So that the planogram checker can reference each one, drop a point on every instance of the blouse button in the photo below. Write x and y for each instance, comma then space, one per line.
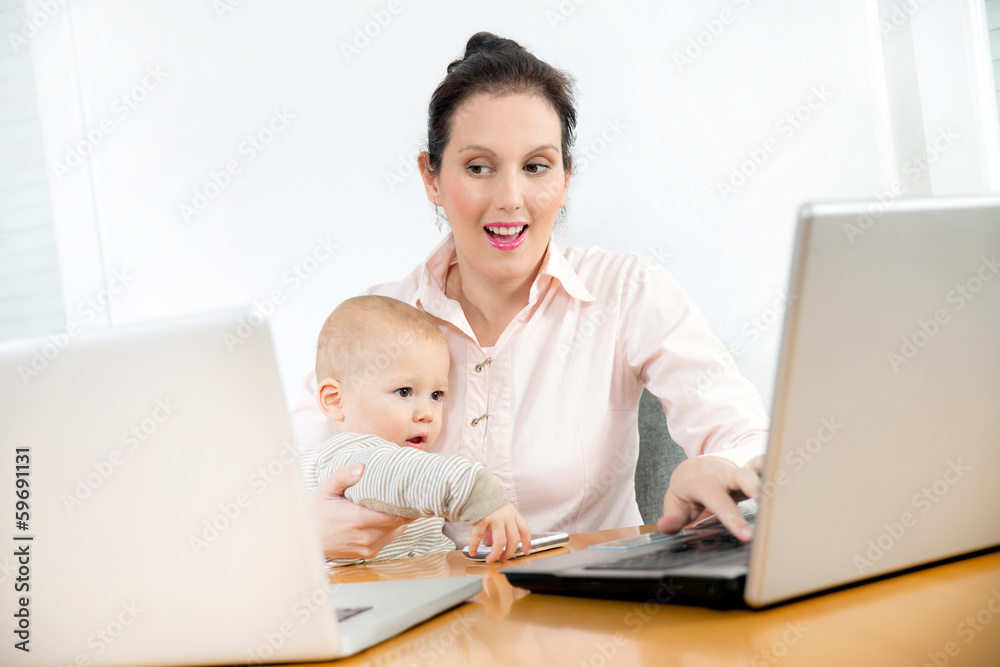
484, 364
475, 422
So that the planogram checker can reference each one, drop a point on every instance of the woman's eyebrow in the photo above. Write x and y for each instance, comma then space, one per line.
477, 147
544, 147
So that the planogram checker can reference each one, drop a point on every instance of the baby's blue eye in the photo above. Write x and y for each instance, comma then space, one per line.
404, 392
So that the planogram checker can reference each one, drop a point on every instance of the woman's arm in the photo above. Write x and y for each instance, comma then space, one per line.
406, 482
713, 413
347, 530
409, 482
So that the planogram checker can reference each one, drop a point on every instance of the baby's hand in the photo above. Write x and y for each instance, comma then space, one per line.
506, 527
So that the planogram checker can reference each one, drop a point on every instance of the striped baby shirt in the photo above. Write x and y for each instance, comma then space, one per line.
407, 482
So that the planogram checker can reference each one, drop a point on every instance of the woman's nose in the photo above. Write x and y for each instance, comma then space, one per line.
508, 195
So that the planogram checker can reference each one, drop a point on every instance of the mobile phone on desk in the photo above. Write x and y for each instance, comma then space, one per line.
539, 542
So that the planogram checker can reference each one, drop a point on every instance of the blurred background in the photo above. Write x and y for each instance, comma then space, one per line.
166, 158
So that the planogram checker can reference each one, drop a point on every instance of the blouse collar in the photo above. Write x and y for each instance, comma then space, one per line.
555, 269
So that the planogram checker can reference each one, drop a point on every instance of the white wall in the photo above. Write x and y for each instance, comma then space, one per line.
663, 121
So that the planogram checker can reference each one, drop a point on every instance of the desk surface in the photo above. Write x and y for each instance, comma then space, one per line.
947, 615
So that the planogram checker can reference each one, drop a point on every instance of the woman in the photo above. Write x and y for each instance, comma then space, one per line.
550, 348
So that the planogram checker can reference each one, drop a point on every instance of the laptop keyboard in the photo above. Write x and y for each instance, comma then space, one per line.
344, 613
675, 554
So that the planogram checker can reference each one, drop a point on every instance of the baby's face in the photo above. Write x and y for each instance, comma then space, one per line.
404, 400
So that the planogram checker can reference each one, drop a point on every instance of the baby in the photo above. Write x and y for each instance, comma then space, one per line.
382, 375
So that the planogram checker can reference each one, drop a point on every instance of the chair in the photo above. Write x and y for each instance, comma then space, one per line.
658, 456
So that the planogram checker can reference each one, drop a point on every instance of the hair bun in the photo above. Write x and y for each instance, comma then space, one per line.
485, 42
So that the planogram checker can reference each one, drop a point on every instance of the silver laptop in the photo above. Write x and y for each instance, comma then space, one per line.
163, 518
884, 449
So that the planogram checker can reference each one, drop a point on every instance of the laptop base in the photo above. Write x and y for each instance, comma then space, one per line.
689, 591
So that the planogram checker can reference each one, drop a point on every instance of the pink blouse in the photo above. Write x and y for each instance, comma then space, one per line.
552, 408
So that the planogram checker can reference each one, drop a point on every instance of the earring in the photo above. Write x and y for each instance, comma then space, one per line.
561, 221
437, 218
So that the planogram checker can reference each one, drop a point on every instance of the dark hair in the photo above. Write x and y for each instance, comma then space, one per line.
498, 66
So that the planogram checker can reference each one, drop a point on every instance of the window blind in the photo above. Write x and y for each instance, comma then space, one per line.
31, 299
993, 23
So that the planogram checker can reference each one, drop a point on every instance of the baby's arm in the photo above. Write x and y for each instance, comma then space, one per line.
412, 483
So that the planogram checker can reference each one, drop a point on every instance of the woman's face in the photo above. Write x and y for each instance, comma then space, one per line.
501, 183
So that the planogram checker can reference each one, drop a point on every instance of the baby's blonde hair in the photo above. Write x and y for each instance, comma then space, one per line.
349, 335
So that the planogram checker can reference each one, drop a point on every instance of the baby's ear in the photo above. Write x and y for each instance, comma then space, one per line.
330, 397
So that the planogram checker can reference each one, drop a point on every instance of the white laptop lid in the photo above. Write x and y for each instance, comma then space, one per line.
884, 449
141, 555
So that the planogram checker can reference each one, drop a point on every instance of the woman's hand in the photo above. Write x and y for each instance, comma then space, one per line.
711, 483
347, 530
503, 528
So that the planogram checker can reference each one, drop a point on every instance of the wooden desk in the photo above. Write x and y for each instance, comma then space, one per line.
914, 619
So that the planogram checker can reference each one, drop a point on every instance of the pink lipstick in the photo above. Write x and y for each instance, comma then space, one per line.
506, 235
